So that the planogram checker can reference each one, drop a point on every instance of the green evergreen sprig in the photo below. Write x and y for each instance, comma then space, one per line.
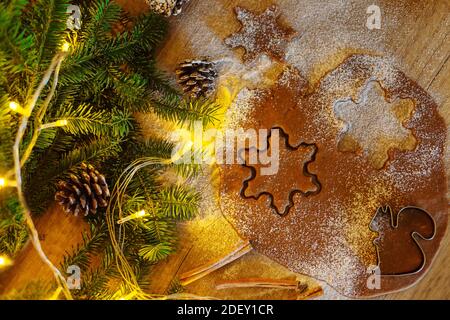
108, 74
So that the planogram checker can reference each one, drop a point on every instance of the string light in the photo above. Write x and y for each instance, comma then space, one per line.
14, 106
65, 47
5, 261
129, 296
52, 69
6, 183
133, 216
56, 294
59, 123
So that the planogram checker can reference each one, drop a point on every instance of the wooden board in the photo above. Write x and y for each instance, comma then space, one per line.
59, 233
420, 43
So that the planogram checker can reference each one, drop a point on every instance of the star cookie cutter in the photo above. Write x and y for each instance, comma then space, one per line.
415, 235
293, 192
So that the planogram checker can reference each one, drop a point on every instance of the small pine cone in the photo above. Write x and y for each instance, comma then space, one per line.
167, 7
197, 77
178, 7
83, 192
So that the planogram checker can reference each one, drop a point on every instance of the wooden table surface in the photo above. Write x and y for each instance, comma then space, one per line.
419, 43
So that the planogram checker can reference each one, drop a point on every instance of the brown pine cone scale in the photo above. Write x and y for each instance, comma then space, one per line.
83, 192
167, 7
197, 77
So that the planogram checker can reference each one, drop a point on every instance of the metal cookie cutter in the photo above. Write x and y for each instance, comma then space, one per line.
416, 236
293, 192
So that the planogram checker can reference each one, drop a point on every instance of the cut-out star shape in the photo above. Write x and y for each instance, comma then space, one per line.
261, 34
374, 125
285, 183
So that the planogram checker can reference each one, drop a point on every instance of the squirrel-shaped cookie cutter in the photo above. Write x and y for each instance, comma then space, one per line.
416, 236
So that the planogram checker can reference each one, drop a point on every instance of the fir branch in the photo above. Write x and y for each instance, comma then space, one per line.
6, 138
104, 78
145, 183
129, 89
92, 151
100, 16
178, 202
142, 270
149, 30
48, 23
46, 139
14, 42
13, 233
92, 244
134, 203
153, 147
172, 109
56, 62
95, 281
85, 120
79, 67
155, 253
188, 170
159, 230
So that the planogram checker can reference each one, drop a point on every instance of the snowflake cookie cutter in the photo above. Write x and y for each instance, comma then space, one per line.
414, 235
292, 193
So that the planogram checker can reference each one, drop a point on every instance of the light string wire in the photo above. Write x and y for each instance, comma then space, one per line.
115, 208
18, 162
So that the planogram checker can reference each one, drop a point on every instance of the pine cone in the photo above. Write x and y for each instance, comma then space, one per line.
167, 7
197, 77
83, 192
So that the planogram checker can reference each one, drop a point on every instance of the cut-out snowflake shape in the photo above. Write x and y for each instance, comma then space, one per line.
374, 125
261, 34
282, 186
